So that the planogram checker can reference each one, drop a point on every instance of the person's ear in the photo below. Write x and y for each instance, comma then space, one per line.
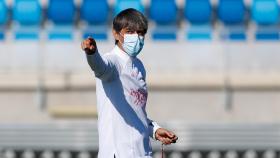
116, 35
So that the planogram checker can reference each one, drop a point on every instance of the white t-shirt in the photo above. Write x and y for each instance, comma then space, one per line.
121, 89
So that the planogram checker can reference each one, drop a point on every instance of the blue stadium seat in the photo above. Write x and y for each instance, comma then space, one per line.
27, 12
61, 13
61, 32
263, 34
27, 15
164, 13
92, 14
124, 4
96, 18
231, 11
232, 14
199, 32
266, 13
198, 13
3, 12
2, 35
3, 18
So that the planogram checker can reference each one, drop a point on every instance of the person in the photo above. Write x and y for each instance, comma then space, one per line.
123, 126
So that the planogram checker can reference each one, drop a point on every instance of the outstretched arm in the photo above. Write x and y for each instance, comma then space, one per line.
102, 68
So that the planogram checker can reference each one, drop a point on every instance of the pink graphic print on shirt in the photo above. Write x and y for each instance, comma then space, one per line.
140, 96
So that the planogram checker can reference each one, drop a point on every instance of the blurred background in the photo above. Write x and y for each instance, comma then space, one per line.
213, 72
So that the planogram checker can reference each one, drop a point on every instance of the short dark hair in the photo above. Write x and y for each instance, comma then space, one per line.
131, 19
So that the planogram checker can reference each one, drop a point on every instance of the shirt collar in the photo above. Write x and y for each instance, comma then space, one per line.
121, 53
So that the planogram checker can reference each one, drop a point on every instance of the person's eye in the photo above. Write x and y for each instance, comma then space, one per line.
140, 33
130, 32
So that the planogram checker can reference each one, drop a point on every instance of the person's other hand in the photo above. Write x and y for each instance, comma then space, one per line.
89, 45
165, 136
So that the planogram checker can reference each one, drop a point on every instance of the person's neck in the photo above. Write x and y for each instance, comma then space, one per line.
120, 46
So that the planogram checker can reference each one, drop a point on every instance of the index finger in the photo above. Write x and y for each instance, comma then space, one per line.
90, 38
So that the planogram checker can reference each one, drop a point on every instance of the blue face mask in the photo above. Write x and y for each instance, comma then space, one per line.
133, 44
